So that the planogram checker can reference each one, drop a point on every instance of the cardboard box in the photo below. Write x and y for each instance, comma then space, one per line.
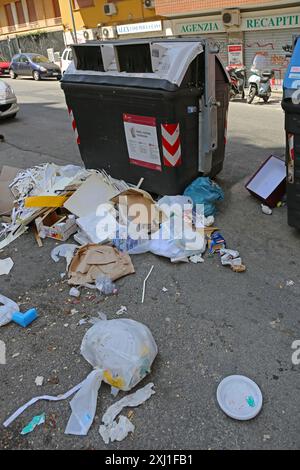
57, 224
268, 184
7, 175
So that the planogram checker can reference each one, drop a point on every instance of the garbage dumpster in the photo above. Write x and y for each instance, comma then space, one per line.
151, 109
291, 106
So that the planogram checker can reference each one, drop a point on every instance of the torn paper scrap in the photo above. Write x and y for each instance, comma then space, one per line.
36, 421
39, 380
117, 431
132, 400
6, 266
111, 429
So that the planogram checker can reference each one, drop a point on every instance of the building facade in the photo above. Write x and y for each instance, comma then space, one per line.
251, 27
30, 26
106, 19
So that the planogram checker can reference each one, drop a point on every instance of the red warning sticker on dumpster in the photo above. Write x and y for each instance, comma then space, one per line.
171, 144
142, 141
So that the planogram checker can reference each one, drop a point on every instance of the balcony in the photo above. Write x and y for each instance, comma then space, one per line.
39, 24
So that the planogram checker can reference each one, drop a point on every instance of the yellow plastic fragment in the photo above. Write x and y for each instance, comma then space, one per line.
45, 201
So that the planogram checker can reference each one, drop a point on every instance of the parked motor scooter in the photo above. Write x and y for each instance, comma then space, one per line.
260, 80
238, 81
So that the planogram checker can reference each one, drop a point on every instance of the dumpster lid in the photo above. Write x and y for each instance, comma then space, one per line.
292, 78
169, 60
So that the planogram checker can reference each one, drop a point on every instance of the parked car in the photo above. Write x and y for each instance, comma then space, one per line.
66, 59
33, 65
4, 65
8, 101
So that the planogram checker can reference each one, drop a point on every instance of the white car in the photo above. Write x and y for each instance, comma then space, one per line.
8, 101
66, 59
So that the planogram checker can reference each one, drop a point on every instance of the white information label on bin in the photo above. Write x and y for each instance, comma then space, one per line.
142, 141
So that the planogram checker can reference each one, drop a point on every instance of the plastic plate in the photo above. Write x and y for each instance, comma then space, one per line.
239, 397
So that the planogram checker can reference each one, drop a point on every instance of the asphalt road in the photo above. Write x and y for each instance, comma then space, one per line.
209, 324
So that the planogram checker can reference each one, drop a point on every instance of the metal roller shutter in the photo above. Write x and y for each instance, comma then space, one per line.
270, 42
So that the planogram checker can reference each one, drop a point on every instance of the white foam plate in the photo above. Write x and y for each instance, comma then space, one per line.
239, 397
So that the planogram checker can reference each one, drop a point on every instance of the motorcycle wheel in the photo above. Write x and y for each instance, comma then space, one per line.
243, 95
251, 95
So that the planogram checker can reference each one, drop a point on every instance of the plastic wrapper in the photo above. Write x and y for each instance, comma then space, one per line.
7, 309
170, 245
105, 286
66, 251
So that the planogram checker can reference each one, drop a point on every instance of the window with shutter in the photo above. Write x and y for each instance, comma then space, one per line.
9, 15
83, 4
31, 11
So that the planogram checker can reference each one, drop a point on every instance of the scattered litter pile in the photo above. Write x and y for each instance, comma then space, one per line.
121, 353
110, 221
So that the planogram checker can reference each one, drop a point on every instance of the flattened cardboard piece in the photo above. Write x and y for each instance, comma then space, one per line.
268, 184
93, 192
94, 260
151, 214
7, 175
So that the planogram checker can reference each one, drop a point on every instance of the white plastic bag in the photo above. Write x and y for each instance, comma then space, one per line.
170, 245
122, 352
66, 251
8, 308
83, 405
124, 349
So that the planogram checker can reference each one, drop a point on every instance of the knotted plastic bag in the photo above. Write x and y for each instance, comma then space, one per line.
121, 352
205, 191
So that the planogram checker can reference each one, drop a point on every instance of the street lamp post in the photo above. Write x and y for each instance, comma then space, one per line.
73, 22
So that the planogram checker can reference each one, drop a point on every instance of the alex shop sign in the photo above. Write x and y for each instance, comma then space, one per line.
135, 28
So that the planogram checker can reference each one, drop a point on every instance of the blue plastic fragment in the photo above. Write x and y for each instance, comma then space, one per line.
24, 319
